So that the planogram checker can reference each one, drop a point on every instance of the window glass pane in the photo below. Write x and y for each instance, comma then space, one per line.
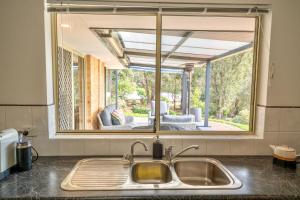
212, 93
98, 89
213, 44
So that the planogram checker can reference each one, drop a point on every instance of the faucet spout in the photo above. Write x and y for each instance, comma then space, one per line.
184, 150
131, 156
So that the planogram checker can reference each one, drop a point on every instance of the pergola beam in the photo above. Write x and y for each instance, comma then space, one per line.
176, 57
234, 51
152, 66
185, 37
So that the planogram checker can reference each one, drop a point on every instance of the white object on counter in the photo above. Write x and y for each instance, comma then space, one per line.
284, 152
8, 140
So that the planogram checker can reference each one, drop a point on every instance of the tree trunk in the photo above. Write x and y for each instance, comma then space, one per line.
146, 85
174, 94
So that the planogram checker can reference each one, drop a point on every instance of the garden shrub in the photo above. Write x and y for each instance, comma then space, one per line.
140, 110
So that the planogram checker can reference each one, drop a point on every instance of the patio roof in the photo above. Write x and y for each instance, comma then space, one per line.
178, 48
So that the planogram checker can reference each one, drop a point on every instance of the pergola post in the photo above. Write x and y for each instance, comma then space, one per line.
207, 92
186, 88
117, 88
184, 91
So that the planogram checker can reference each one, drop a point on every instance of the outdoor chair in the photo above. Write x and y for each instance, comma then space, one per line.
164, 110
105, 120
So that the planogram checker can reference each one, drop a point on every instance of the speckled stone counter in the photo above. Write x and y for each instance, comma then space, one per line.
261, 180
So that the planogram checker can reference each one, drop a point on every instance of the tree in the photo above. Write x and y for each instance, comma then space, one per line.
231, 85
171, 84
126, 85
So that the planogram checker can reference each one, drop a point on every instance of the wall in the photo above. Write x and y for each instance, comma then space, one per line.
282, 122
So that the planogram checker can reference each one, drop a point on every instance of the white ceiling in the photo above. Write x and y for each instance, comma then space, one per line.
80, 38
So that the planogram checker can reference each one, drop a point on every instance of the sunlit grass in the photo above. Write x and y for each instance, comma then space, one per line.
244, 127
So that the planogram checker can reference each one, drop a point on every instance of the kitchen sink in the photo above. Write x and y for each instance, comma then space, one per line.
151, 173
182, 173
201, 173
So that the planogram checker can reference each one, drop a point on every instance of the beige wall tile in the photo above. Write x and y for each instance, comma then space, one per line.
44, 146
242, 147
290, 139
71, 147
39, 119
261, 147
18, 117
96, 147
2, 117
218, 147
272, 119
290, 119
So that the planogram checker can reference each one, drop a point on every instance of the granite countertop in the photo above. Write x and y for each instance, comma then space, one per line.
260, 178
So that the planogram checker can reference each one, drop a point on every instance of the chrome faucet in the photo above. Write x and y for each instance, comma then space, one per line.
169, 155
131, 156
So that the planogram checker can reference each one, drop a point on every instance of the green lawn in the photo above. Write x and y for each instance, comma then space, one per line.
135, 114
244, 127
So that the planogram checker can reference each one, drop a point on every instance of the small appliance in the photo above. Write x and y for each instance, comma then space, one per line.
8, 141
24, 154
284, 155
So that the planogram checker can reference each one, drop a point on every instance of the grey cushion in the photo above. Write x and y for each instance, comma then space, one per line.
128, 119
164, 108
115, 120
178, 119
106, 118
105, 115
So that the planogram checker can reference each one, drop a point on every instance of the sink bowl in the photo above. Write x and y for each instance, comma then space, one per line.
192, 173
205, 172
151, 173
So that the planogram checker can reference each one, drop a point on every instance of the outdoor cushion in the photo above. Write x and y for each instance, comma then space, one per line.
163, 108
106, 118
118, 117
105, 115
178, 118
129, 119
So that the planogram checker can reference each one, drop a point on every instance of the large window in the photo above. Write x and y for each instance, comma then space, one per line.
155, 73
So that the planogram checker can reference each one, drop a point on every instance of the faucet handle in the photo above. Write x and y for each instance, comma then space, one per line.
169, 148
168, 151
126, 156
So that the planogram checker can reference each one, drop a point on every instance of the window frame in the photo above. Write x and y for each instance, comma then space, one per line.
156, 129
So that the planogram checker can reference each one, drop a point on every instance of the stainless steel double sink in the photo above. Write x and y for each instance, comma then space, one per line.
182, 173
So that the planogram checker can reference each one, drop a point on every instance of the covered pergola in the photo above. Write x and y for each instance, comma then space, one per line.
182, 51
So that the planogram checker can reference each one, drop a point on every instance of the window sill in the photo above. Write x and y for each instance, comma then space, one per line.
62, 136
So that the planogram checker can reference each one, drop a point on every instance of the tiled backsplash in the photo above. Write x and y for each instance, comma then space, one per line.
282, 126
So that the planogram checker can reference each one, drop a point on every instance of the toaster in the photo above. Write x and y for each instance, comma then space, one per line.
8, 141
